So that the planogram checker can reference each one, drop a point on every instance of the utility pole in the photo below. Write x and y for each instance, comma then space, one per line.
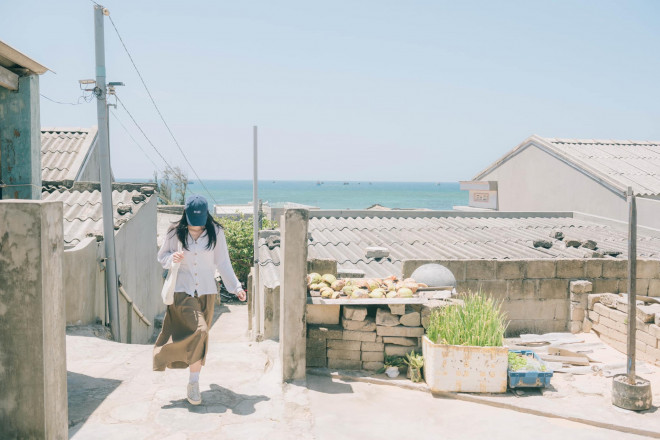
255, 222
632, 284
106, 176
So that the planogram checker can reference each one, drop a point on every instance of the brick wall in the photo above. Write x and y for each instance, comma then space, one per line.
535, 293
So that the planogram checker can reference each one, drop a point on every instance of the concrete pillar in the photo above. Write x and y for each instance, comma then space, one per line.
20, 140
33, 390
293, 293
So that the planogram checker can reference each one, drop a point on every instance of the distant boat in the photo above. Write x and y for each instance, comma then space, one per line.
369, 183
318, 182
345, 183
273, 181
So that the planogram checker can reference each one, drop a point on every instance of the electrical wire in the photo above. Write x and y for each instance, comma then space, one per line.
59, 102
134, 141
142, 131
158, 110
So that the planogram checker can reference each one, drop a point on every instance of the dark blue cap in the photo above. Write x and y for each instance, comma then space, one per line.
197, 210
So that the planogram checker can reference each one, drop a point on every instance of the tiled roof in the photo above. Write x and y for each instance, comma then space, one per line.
83, 211
618, 164
63, 152
447, 236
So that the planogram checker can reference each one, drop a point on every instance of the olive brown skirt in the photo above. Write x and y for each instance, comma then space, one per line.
183, 339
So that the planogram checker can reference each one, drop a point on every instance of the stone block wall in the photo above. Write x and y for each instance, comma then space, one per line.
608, 317
362, 336
535, 293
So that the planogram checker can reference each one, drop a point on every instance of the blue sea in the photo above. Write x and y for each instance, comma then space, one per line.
336, 195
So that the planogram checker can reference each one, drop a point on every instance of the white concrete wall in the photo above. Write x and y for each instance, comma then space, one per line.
534, 180
648, 212
140, 272
84, 283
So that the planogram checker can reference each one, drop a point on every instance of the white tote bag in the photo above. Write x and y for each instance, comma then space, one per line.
170, 282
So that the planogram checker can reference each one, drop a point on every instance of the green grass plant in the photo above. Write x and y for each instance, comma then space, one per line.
479, 322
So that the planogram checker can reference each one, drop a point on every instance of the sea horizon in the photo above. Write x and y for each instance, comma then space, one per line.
337, 194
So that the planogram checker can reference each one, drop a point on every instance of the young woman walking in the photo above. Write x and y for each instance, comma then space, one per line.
198, 242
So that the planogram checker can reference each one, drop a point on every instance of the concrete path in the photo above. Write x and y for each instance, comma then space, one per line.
114, 394
356, 410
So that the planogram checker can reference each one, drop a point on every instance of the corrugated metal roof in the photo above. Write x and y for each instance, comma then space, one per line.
345, 239
632, 163
63, 152
83, 212
615, 164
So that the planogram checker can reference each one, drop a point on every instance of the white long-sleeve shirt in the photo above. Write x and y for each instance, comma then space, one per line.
197, 269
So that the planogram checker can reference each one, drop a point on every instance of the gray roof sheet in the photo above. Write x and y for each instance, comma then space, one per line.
619, 163
63, 151
83, 211
632, 163
345, 239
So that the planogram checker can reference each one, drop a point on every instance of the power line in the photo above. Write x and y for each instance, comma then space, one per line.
142, 131
134, 141
59, 102
158, 110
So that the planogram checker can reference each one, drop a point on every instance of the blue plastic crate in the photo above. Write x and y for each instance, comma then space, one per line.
529, 379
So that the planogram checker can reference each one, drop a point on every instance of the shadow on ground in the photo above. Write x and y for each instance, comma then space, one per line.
218, 400
85, 394
325, 384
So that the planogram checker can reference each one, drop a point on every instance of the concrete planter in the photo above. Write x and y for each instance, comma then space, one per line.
458, 368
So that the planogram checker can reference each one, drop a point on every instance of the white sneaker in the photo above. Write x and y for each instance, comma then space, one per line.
194, 397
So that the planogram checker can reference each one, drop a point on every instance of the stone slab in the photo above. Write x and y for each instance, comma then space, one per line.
344, 345
350, 335
372, 346
408, 342
400, 350
351, 355
322, 314
372, 366
411, 319
402, 331
368, 325
355, 313
373, 356
383, 317
397, 309
344, 364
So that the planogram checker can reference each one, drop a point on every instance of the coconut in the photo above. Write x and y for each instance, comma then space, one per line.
360, 284
338, 285
327, 292
313, 278
314, 286
372, 284
411, 285
335, 295
322, 285
360, 293
404, 292
348, 290
391, 294
377, 293
328, 279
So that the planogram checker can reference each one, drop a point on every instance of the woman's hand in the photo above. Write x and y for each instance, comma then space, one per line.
177, 257
241, 295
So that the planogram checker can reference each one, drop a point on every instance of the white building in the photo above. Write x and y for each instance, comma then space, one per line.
590, 176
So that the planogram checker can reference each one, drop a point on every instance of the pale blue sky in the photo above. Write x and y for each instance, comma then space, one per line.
351, 90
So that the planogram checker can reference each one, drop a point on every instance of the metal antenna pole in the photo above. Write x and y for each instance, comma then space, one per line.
255, 230
106, 177
632, 285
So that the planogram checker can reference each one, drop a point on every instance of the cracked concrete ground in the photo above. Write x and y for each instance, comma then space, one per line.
114, 394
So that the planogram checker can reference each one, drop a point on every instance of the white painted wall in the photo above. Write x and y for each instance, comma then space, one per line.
533, 180
648, 212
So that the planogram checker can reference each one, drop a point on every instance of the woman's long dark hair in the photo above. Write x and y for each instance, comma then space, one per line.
181, 230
